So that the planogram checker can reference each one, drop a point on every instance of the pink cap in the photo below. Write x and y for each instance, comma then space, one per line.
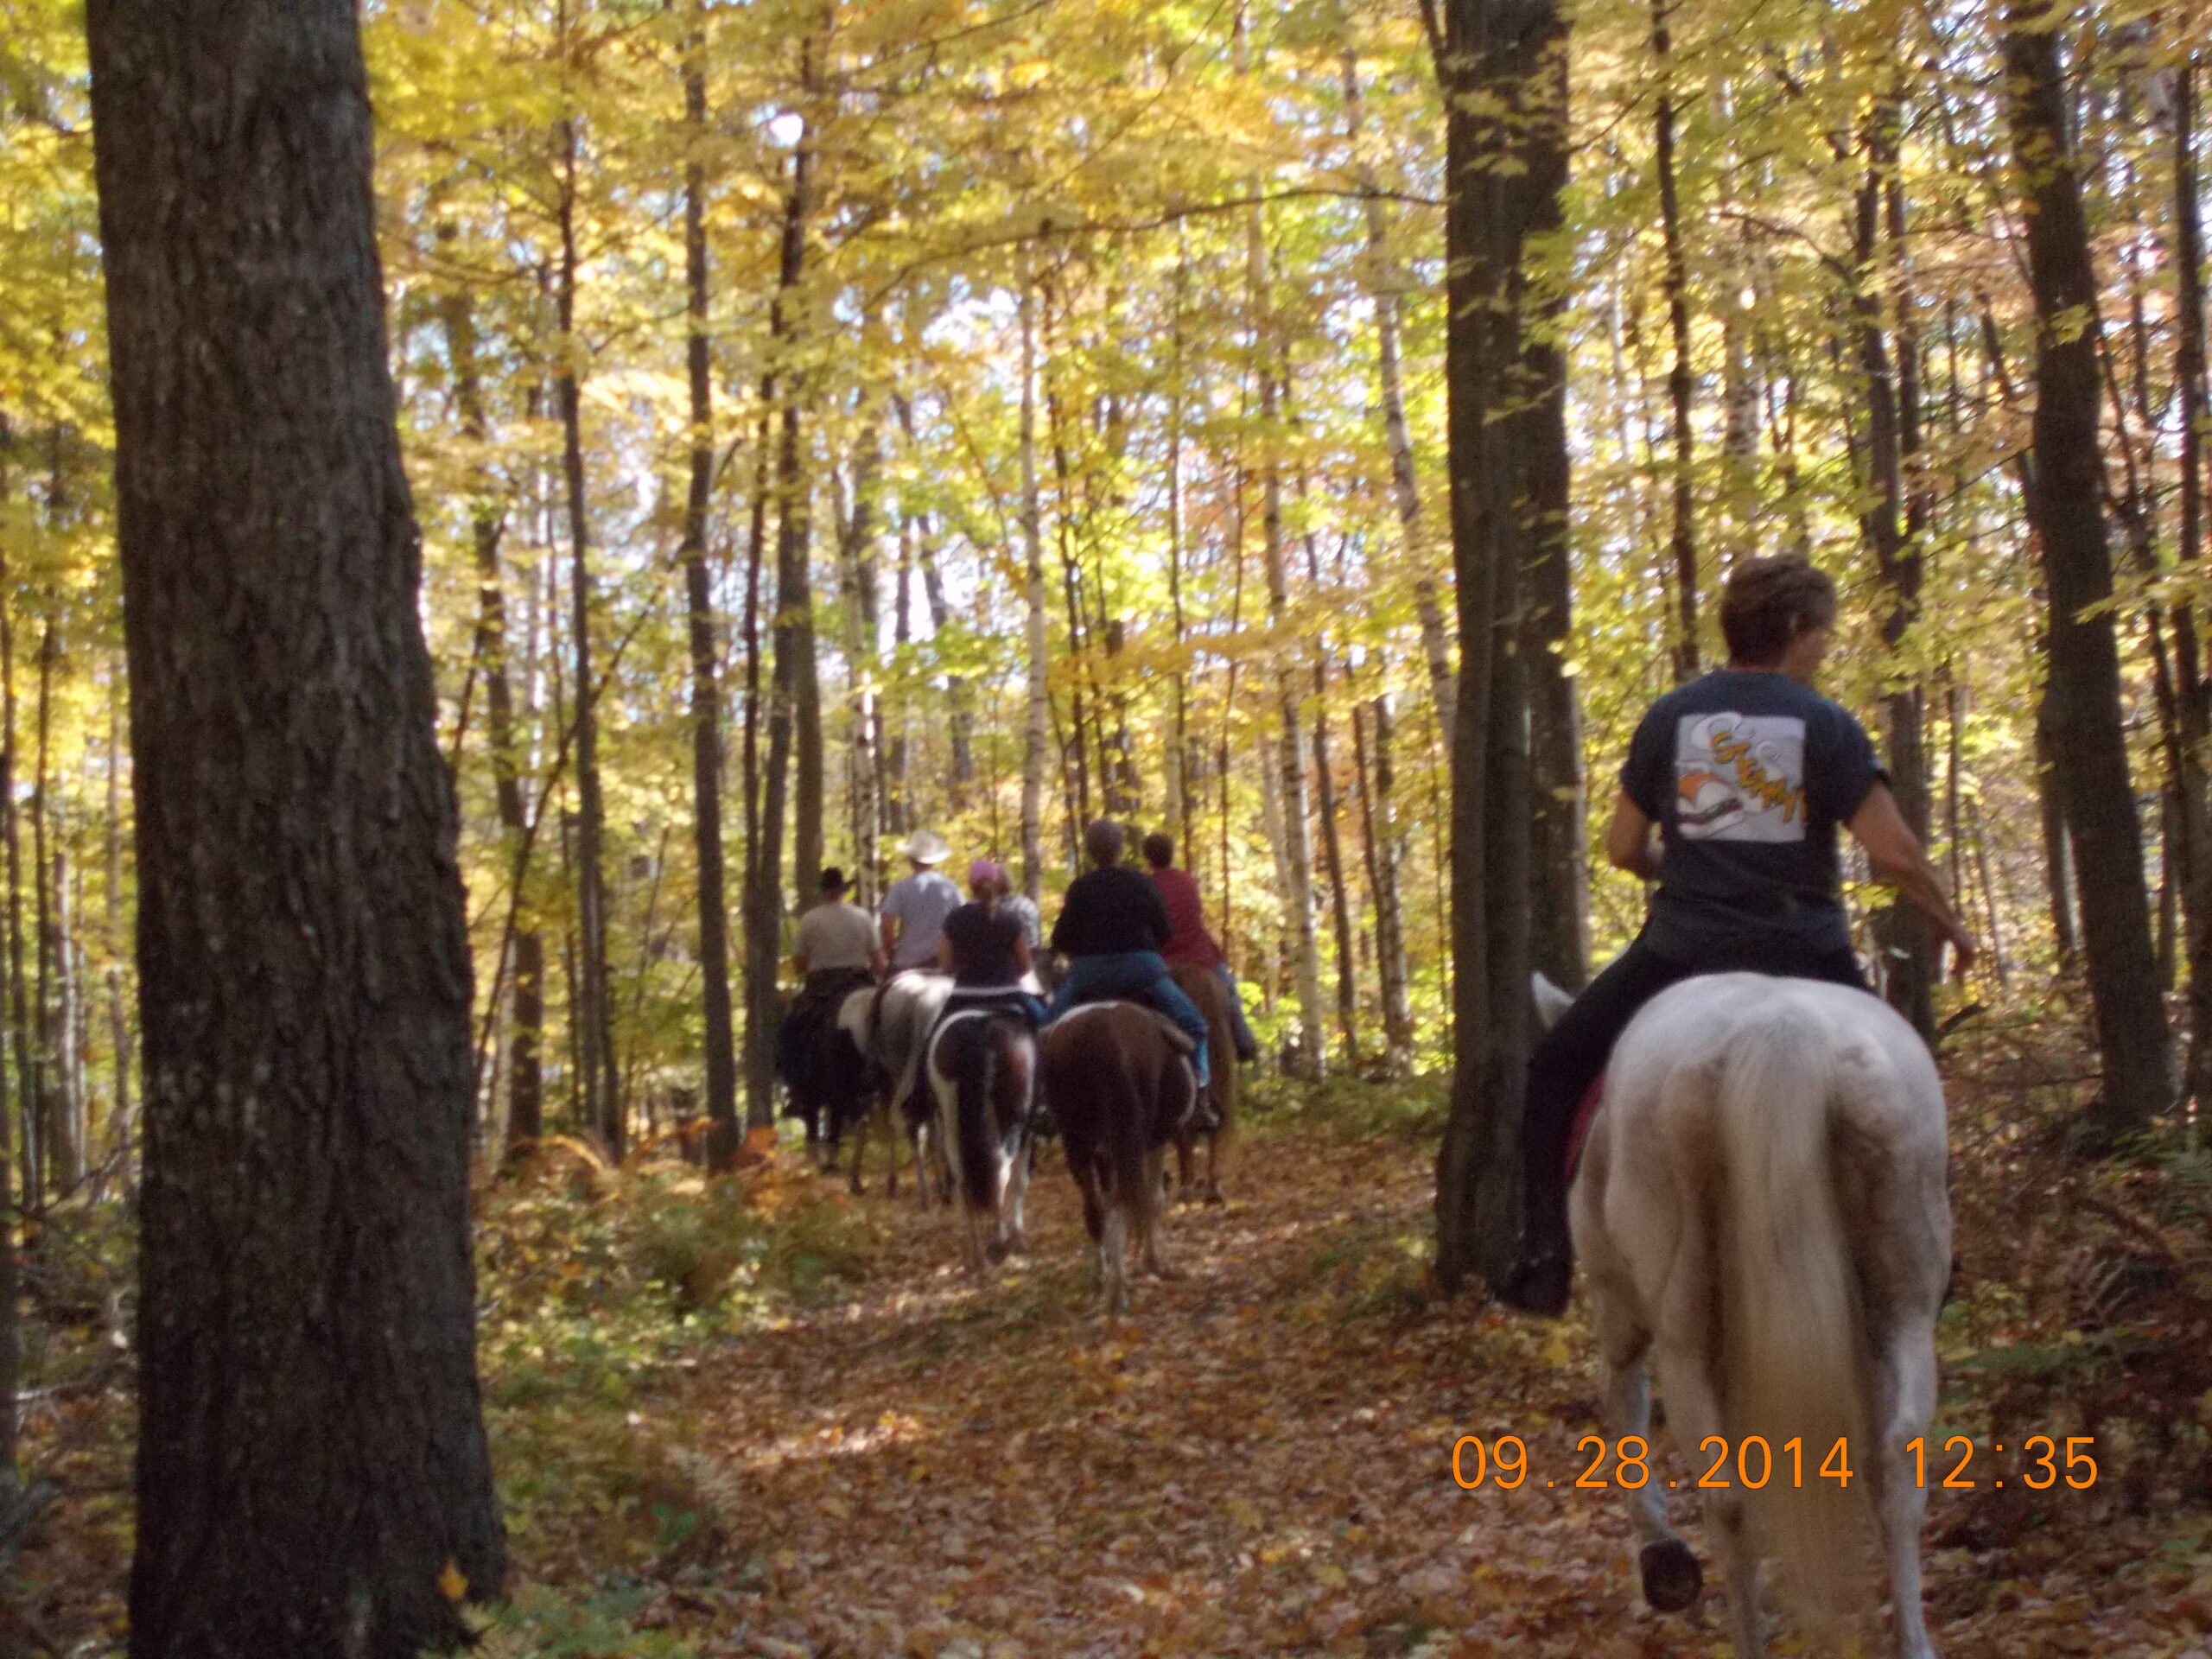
985, 869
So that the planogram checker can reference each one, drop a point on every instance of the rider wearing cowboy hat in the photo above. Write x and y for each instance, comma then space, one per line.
915, 908
835, 951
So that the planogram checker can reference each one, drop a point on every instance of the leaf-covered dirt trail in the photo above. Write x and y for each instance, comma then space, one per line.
1256, 1461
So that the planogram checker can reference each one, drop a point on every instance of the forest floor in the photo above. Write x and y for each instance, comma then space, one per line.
885, 1457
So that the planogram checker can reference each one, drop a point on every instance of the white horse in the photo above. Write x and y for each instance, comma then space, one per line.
1761, 1203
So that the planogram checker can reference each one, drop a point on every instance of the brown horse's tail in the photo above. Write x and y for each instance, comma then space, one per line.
1126, 1126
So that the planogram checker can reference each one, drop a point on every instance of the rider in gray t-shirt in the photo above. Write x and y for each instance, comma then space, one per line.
915, 908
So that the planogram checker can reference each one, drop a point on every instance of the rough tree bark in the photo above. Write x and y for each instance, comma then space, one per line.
312, 1464
2089, 740
1505, 160
706, 682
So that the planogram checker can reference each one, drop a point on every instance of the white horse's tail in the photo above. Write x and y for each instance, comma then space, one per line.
1789, 1365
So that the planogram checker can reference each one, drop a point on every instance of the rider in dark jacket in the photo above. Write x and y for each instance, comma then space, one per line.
1111, 926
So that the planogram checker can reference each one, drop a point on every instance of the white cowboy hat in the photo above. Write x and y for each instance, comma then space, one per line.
927, 847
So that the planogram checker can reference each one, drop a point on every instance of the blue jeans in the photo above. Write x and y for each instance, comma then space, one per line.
1242, 1028
1141, 975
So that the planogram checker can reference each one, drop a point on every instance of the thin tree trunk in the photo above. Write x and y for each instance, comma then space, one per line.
29, 1096
720, 1055
120, 1127
1033, 543
1892, 440
64, 1162
313, 1476
1682, 541
1385, 852
2090, 747
1297, 856
525, 1077
602, 1094
1559, 852
1384, 280
765, 794
2194, 693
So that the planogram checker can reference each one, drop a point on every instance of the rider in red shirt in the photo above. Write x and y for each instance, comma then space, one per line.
1189, 943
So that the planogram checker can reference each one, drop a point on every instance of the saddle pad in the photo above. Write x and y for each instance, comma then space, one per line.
1585, 1115
1173, 1031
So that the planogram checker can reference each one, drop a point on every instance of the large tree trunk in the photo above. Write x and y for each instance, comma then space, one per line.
2089, 738
706, 683
312, 1470
1501, 64
594, 1012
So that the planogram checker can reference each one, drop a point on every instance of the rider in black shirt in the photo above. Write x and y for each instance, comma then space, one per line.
1746, 773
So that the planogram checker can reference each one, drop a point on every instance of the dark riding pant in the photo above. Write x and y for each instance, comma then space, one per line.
818, 998
1570, 1057
1141, 975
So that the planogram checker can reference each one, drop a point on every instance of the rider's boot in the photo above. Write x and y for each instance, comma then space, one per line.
1540, 1281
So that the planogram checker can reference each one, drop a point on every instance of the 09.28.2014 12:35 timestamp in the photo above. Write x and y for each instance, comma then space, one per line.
2041, 1462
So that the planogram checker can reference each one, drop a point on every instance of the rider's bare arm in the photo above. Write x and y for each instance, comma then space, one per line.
1629, 845
944, 954
889, 926
1898, 859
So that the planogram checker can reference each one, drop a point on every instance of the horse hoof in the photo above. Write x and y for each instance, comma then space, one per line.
1213, 1196
1672, 1580
994, 1252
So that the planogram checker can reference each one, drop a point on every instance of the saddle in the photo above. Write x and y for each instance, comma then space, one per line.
1174, 1033
1584, 1114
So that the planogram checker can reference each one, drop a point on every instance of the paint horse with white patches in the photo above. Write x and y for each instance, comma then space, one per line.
980, 1067
1119, 1084
889, 1026
1761, 1208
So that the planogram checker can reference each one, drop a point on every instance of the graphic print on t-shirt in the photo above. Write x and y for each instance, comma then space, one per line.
1739, 778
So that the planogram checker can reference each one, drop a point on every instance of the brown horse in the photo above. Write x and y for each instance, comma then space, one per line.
1120, 1090
1203, 987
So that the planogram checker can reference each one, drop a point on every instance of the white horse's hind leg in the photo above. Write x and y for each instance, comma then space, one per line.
1113, 1261
1693, 1412
1904, 1399
1668, 1570
1154, 1263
